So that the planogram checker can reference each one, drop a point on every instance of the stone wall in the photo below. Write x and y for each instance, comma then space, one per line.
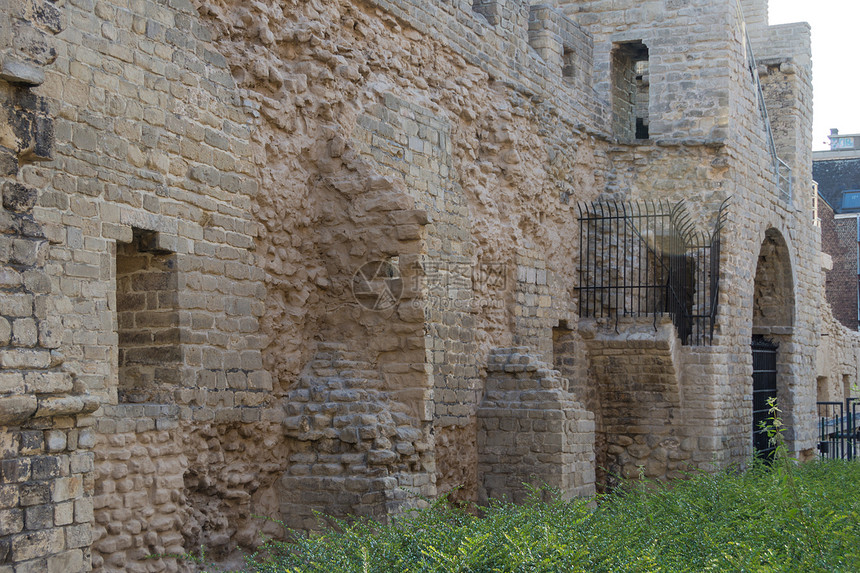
271, 259
139, 502
642, 428
836, 361
663, 27
361, 452
47, 433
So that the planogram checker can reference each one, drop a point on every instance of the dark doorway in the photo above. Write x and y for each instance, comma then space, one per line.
764, 387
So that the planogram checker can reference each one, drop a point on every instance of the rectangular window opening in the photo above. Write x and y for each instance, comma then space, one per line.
568, 64
147, 320
489, 9
630, 91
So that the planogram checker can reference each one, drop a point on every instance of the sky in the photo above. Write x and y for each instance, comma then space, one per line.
835, 80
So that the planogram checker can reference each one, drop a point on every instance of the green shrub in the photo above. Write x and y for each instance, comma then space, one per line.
781, 518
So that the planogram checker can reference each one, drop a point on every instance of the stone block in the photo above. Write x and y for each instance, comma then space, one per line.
34, 493
67, 488
11, 383
24, 332
39, 517
78, 535
55, 440
46, 467
5, 331
19, 72
81, 462
11, 521
34, 544
18, 198
64, 513
83, 510
16, 409
67, 562
8, 496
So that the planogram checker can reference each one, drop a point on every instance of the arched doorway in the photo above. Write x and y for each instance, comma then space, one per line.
773, 320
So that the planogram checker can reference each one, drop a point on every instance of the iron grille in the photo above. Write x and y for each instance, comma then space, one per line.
764, 388
839, 429
646, 258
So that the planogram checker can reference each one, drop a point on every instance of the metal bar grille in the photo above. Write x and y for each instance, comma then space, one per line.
838, 429
646, 259
764, 387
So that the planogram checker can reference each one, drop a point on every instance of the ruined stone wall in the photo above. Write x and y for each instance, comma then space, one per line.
278, 244
836, 361
132, 152
359, 452
416, 145
158, 136
773, 218
728, 156
461, 162
645, 426
139, 498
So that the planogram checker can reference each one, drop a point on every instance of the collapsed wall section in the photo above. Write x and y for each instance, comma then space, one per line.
414, 144
361, 453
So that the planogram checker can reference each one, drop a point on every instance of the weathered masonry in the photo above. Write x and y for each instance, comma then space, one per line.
278, 258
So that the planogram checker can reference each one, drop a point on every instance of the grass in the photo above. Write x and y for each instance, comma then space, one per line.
787, 517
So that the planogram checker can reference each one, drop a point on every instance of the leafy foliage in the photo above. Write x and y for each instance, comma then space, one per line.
780, 517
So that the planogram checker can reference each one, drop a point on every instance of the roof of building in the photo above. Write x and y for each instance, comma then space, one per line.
836, 175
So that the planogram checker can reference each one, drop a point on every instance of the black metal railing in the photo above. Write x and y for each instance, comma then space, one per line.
781, 170
839, 429
646, 258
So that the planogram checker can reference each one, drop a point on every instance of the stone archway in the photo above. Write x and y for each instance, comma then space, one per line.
773, 322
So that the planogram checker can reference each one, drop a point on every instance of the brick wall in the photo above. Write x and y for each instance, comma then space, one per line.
839, 240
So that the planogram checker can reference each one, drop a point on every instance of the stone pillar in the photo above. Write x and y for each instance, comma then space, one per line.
45, 431
531, 431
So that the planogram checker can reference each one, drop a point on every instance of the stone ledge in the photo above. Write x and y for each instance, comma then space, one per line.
21, 73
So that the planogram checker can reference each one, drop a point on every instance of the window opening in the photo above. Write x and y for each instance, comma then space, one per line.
568, 65
489, 9
147, 320
630, 90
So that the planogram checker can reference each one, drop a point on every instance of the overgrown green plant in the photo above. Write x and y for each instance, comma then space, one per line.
779, 517
785, 467
729, 521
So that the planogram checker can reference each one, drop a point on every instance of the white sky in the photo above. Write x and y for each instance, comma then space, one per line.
835, 80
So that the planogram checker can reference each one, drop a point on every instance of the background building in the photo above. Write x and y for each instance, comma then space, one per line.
837, 173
